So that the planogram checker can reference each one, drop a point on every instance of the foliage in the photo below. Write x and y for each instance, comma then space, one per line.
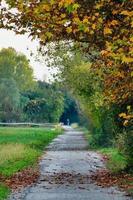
86, 83
16, 66
21, 97
125, 145
104, 25
9, 99
116, 162
46, 103
16, 76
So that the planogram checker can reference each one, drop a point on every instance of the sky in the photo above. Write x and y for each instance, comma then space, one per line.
22, 43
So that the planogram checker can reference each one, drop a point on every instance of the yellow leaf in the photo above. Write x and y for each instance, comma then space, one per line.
107, 31
114, 22
128, 13
93, 18
114, 12
99, 5
128, 108
125, 12
104, 52
100, 20
86, 30
85, 20
42, 37
63, 15
49, 35
131, 39
69, 29
127, 59
122, 115
46, 7
93, 26
76, 20
125, 123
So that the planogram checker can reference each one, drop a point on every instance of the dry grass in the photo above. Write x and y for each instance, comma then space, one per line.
10, 152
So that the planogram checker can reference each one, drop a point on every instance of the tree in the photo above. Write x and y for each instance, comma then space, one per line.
46, 103
103, 25
9, 100
16, 77
16, 66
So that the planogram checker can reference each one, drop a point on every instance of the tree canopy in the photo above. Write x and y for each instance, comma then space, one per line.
15, 65
103, 25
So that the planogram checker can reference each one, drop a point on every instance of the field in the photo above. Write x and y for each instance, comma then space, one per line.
20, 148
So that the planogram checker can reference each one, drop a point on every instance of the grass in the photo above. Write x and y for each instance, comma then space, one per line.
4, 191
116, 162
20, 148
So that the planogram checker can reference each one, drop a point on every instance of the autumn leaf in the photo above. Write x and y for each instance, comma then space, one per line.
76, 20
131, 39
114, 22
85, 20
104, 52
63, 15
127, 59
46, 7
93, 26
69, 29
128, 13
107, 31
122, 115
49, 35
125, 123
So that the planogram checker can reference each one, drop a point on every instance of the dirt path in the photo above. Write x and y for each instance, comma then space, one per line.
65, 173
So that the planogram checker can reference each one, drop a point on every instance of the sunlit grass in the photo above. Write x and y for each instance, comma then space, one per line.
10, 152
117, 162
14, 157
20, 148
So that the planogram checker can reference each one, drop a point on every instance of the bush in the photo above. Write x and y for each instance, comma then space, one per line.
117, 162
129, 148
104, 130
124, 143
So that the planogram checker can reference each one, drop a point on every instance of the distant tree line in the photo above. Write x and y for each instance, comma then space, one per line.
22, 98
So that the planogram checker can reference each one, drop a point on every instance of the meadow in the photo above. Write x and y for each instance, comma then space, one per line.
21, 148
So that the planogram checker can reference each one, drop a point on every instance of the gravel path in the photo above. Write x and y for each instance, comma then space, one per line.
65, 173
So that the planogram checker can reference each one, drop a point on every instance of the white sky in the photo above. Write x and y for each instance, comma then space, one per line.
22, 43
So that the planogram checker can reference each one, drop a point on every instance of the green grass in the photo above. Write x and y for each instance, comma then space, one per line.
117, 162
4, 191
20, 148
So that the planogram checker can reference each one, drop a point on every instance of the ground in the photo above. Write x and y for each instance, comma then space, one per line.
65, 173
